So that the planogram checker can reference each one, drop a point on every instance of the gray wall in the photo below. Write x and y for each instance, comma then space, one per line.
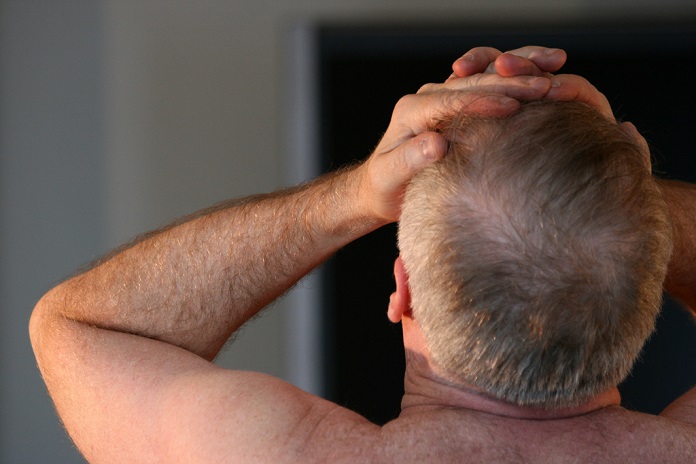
117, 116
52, 212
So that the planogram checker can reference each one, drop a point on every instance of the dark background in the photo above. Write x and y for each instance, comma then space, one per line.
645, 72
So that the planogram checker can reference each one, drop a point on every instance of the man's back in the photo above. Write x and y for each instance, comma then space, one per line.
609, 435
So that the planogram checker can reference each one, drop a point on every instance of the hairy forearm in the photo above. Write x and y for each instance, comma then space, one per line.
193, 284
681, 275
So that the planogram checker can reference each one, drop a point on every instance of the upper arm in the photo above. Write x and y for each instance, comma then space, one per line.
125, 398
251, 417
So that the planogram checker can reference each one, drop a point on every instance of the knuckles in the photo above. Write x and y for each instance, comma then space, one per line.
427, 88
404, 105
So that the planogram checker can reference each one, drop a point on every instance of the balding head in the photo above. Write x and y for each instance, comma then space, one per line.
535, 252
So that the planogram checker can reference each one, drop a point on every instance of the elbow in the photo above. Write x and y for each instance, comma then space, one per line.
34, 324
37, 323
40, 320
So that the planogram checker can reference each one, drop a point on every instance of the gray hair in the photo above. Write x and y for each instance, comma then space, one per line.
535, 252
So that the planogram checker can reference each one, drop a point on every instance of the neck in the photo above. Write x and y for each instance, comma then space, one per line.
427, 390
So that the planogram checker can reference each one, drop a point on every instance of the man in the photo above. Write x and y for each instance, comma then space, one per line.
125, 347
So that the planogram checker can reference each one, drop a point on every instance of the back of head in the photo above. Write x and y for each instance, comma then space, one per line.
536, 251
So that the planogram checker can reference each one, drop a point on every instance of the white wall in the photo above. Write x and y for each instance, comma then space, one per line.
117, 116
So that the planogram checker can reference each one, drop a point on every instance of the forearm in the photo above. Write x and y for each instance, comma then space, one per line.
681, 275
192, 285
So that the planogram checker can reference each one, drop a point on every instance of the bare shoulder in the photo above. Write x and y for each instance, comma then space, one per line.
251, 417
610, 435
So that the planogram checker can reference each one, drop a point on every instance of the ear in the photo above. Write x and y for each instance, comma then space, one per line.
400, 300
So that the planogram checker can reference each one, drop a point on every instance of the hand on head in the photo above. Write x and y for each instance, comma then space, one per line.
486, 82
532, 61
409, 144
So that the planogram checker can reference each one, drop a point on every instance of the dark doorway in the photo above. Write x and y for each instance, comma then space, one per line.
644, 72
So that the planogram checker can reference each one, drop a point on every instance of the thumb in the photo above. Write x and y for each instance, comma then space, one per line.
409, 158
390, 172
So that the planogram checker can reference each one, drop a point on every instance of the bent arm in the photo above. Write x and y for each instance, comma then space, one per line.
681, 273
124, 348
193, 284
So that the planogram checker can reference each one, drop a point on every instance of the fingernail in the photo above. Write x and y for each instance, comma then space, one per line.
550, 51
468, 57
426, 150
555, 83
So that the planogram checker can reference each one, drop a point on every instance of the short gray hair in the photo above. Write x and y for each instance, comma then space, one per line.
535, 252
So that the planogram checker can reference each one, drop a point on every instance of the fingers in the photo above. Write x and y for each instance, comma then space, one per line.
525, 61
568, 87
411, 157
474, 61
519, 87
529, 60
407, 159
408, 145
509, 65
415, 114
386, 175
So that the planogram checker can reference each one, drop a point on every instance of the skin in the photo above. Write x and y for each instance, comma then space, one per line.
125, 348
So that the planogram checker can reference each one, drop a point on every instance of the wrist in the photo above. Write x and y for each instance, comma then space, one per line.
342, 210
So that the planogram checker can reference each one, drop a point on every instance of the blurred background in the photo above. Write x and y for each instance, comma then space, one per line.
117, 116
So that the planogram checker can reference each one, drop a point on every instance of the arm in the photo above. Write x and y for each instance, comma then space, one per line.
124, 348
681, 276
